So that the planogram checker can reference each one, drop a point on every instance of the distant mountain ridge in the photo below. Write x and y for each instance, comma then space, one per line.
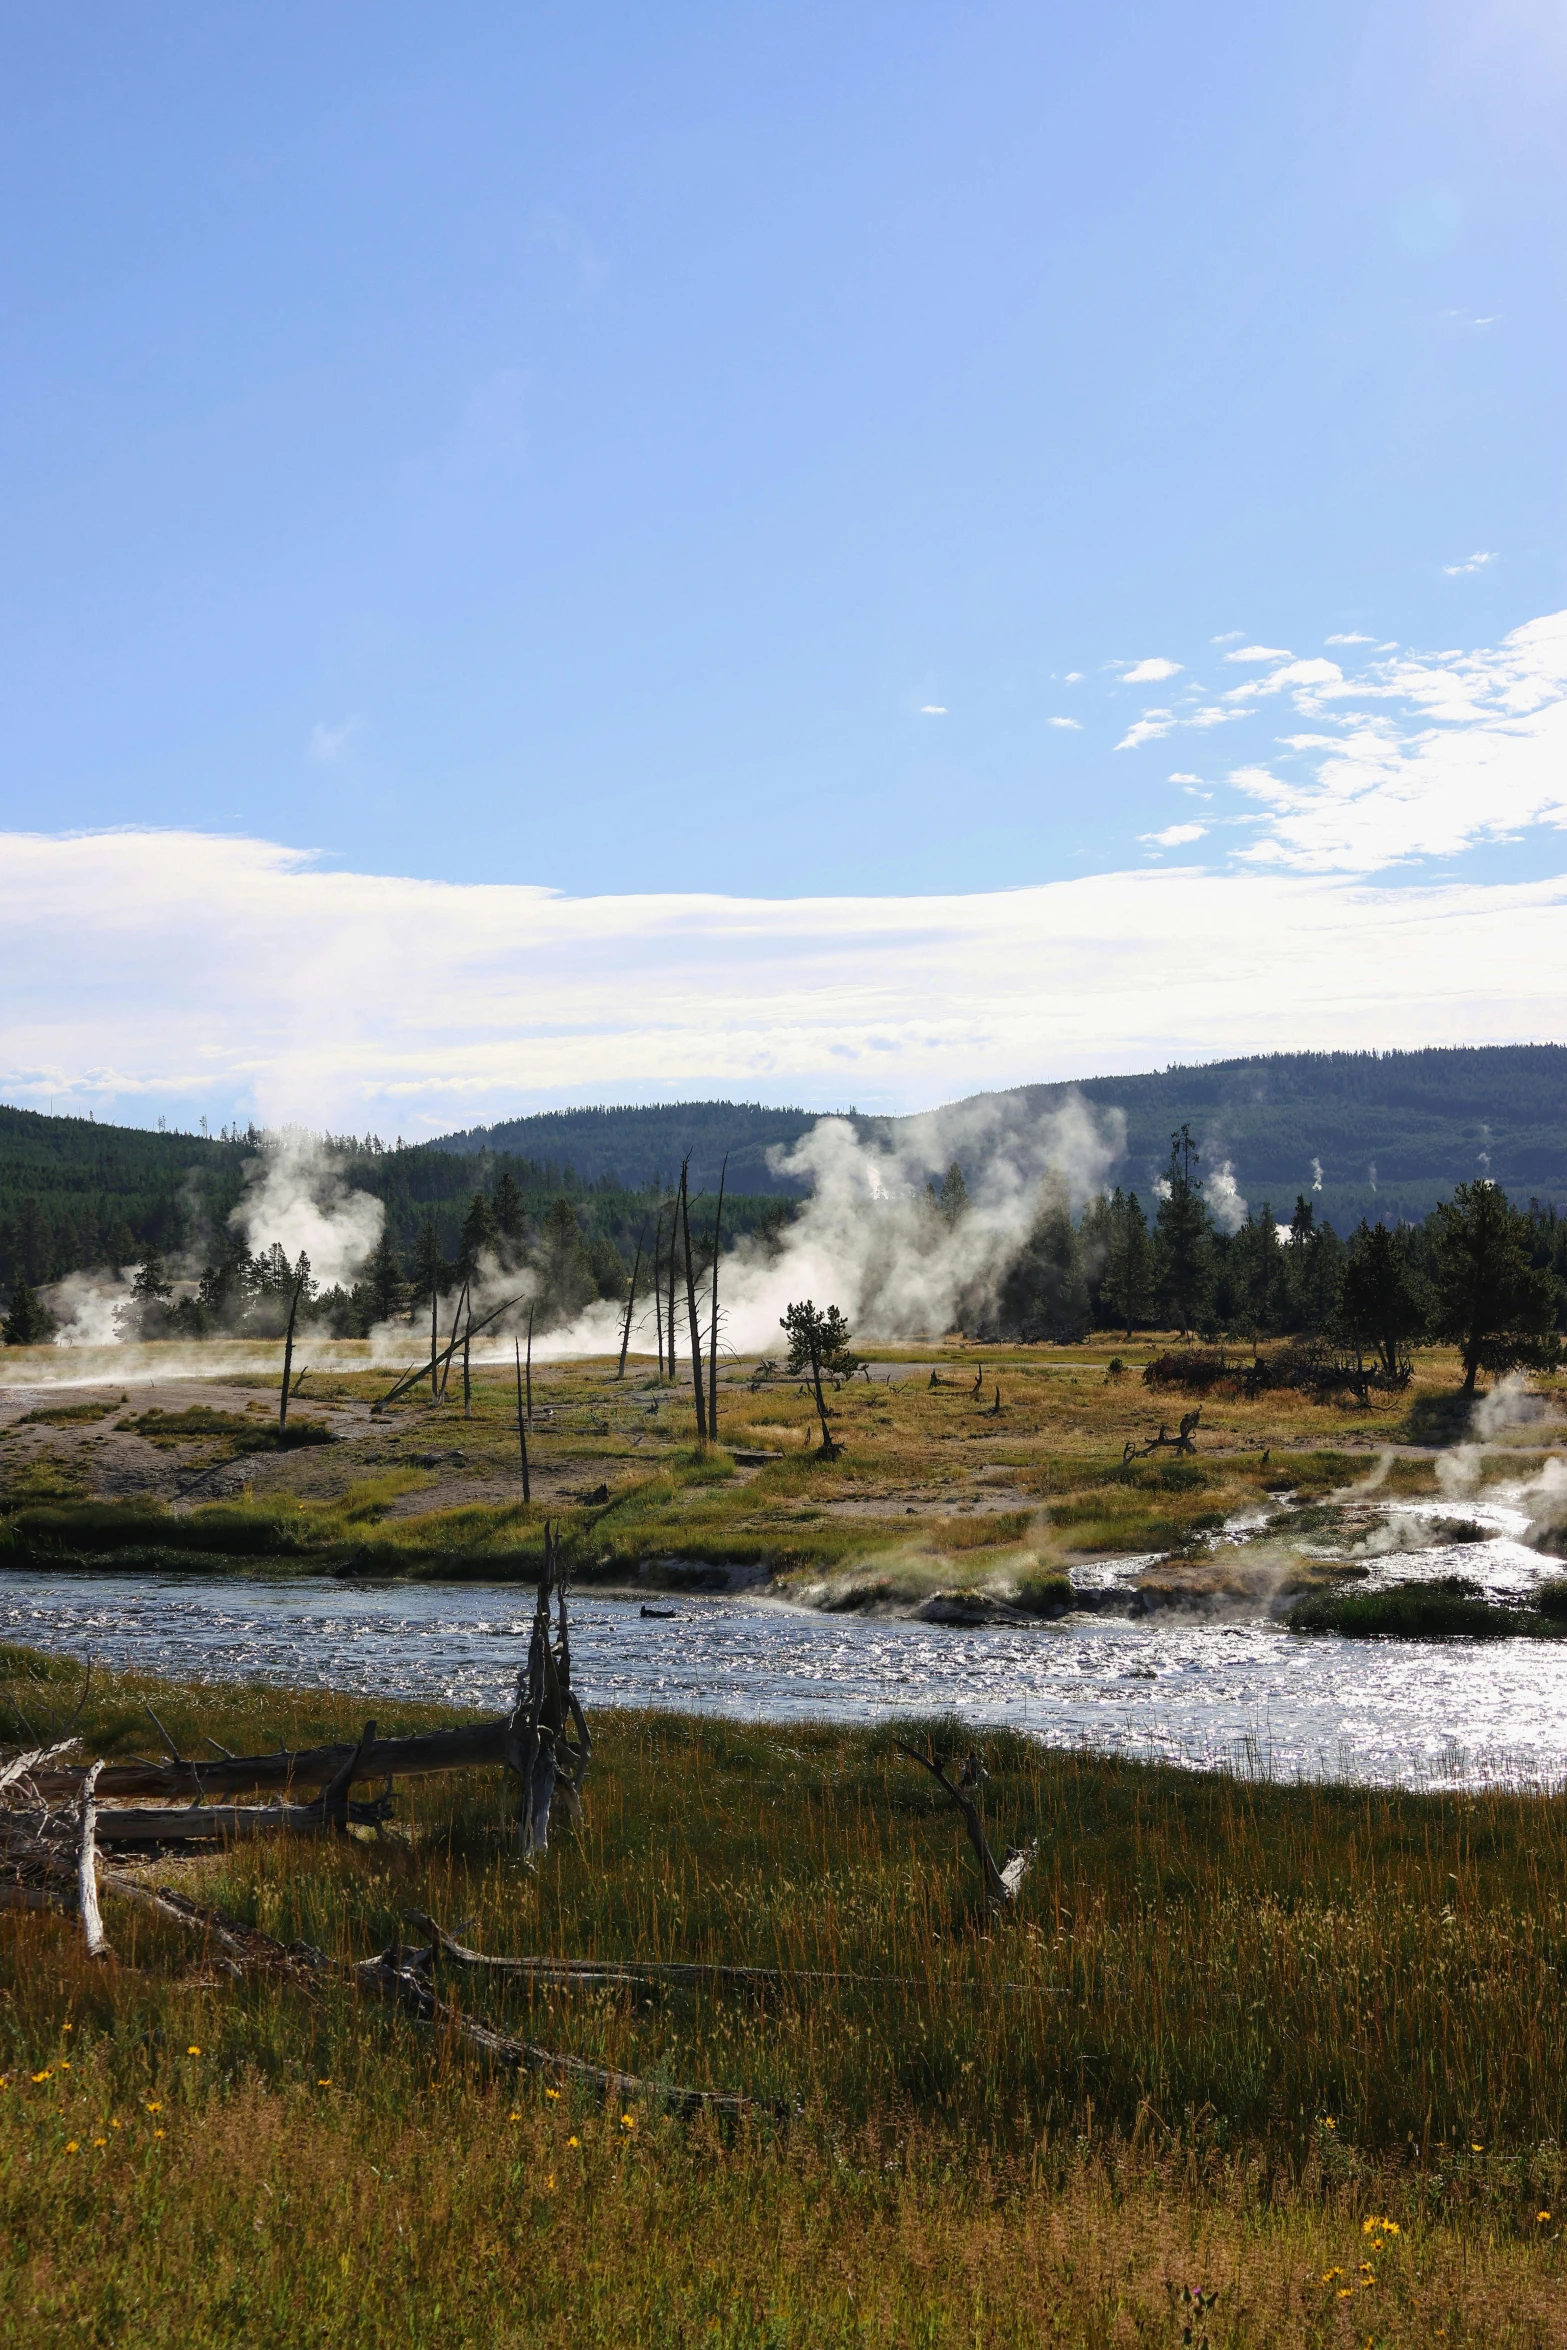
1423, 1121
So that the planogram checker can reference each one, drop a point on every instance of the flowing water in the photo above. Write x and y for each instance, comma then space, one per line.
1244, 1694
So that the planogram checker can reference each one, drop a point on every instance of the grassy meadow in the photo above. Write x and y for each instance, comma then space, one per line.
934, 1487
1297, 2049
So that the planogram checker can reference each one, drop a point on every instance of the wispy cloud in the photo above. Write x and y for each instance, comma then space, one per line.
1351, 637
1229, 637
1174, 836
144, 971
1075, 724
1150, 672
1259, 653
1431, 756
1469, 563
1147, 729
933, 709
1073, 677
328, 743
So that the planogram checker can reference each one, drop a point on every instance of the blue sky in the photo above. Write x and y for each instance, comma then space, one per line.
577, 444
784, 453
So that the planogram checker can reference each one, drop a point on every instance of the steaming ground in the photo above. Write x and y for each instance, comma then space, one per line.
939, 1505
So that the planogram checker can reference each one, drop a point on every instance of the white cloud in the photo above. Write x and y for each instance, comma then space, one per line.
1174, 836
933, 709
1076, 724
1259, 653
1351, 637
1179, 777
1211, 714
1436, 754
1152, 672
1469, 563
328, 743
1074, 677
1228, 638
1146, 729
149, 971
1290, 673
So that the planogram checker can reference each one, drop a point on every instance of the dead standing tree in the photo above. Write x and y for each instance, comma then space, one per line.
631, 1302
549, 1763
696, 1326
1001, 1883
712, 1339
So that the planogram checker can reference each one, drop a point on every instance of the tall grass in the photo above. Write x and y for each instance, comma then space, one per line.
1233, 2022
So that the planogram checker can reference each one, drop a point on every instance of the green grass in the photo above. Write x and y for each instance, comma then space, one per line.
1449, 1606
1232, 2022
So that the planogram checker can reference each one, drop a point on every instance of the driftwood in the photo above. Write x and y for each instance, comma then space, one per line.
1181, 1443
1001, 1884
434, 1361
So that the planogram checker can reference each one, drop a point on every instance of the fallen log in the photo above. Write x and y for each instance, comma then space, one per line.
396, 1976
474, 1747
232, 1822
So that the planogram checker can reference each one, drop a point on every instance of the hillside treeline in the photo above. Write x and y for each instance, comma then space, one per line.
75, 1196
1478, 1272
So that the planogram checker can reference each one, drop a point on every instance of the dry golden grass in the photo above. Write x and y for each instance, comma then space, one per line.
1236, 2029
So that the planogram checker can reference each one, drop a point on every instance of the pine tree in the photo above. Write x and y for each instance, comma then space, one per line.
1185, 1239
29, 1323
382, 1278
507, 1207
478, 1233
1128, 1278
1496, 1306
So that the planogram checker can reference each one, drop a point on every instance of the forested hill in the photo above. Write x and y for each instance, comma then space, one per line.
643, 1146
1393, 1132
75, 1194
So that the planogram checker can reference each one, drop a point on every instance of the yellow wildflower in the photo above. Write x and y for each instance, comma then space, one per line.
326, 2084
42, 2077
555, 2093
193, 2051
72, 2147
156, 2106
1542, 2217
628, 2121
1475, 2146
100, 2141
574, 2141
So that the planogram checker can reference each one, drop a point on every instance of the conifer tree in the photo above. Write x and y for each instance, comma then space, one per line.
1185, 1233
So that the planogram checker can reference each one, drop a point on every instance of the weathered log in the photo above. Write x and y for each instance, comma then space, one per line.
474, 1747
87, 1868
211, 1822
395, 1977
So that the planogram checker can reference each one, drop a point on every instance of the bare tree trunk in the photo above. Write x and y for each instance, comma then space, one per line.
674, 1236
658, 1289
467, 1342
829, 1448
522, 1426
446, 1368
712, 1336
434, 1335
288, 1360
530, 1366
696, 1327
87, 1864
625, 1335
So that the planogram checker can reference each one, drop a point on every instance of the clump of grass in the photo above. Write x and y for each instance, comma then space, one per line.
1448, 1606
